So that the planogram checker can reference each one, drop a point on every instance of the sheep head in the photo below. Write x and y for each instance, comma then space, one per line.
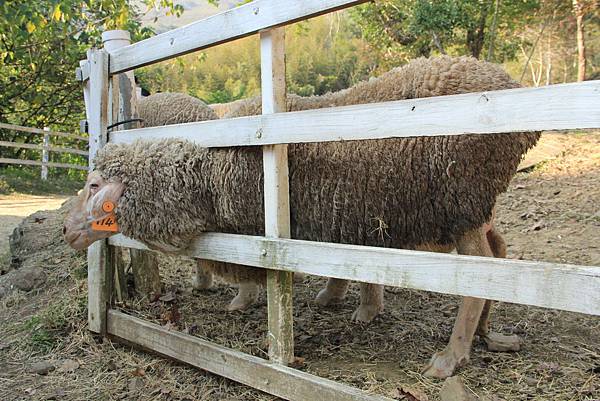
77, 230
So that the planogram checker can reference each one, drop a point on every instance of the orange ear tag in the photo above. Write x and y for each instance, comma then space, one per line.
108, 223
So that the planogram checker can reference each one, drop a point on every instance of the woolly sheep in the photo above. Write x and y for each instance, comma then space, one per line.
337, 194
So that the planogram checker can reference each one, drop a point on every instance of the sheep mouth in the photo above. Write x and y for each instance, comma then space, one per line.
75, 241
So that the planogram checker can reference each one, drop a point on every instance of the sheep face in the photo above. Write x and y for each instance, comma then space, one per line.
77, 229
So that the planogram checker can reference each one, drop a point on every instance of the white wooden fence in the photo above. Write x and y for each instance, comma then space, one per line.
567, 287
45, 149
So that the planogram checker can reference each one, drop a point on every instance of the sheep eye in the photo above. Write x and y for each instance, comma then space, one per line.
94, 186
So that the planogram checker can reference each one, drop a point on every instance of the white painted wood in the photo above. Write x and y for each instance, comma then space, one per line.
224, 27
82, 73
99, 263
41, 147
125, 98
41, 131
555, 107
276, 198
272, 378
123, 106
84, 70
39, 163
45, 155
551, 285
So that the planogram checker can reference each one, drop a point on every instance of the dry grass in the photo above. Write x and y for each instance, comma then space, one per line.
560, 359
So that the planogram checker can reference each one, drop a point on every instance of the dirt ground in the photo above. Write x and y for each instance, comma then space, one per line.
13, 208
550, 212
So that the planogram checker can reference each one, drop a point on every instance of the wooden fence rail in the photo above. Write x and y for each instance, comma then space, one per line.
567, 287
45, 149
557, 107
41, 131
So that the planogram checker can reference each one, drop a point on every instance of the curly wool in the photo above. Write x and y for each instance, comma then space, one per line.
397, 193
422, 77
173, 108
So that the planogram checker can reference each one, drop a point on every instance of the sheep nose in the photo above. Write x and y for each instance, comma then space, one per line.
64, 230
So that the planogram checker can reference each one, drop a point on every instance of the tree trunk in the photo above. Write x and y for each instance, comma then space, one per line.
438, 43
144, 265
581, 59
476, 34
490, 55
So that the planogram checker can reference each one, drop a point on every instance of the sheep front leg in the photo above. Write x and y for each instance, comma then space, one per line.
247, 295
334, 292
371, 302
456, 353
496, 341
202, 278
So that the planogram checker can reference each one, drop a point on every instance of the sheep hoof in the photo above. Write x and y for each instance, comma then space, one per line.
443, 364
497, 342
366, 313
239, 303
299, 277
325, 297
247, 295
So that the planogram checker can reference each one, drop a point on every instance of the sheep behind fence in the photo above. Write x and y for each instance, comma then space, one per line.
533, 283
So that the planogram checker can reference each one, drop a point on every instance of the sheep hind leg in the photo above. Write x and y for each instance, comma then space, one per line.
371, 302
247, 295
456, 353
496, 341
334, 292
202, 278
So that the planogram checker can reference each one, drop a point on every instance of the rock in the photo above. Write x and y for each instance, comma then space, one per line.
454, 390
69, 365
42, 368
28, 278
497, 342
135, 384
4, 288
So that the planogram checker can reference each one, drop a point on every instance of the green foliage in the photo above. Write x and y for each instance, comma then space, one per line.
39, 338
26, 180
45, 330
323, 54
400, 29
41, 43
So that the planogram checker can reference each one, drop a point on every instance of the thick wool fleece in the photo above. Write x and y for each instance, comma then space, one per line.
423, 77
396, 193
173, 108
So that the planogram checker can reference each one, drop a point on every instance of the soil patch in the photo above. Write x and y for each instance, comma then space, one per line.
549, 213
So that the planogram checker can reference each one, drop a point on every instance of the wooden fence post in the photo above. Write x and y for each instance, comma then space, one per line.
144, 265
45, 156
99, 255
276, 189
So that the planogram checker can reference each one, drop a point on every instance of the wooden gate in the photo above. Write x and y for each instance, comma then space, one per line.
557, 107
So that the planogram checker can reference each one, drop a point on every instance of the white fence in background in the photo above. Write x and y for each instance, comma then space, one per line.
45, 149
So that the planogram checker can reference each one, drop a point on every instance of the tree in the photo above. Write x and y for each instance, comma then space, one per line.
41, 43
324, 54
402, 29
580, 9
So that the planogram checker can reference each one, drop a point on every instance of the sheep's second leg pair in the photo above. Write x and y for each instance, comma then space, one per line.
472, 315
371, 298
247, 295
496, 341
202, 278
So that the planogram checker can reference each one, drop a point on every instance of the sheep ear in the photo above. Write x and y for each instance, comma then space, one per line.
110, 193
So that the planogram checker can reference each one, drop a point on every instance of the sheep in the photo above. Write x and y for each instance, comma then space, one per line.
421, 78
177, 108
337, 194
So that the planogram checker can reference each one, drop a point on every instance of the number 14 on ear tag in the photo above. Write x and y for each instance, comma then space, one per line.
108, 223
